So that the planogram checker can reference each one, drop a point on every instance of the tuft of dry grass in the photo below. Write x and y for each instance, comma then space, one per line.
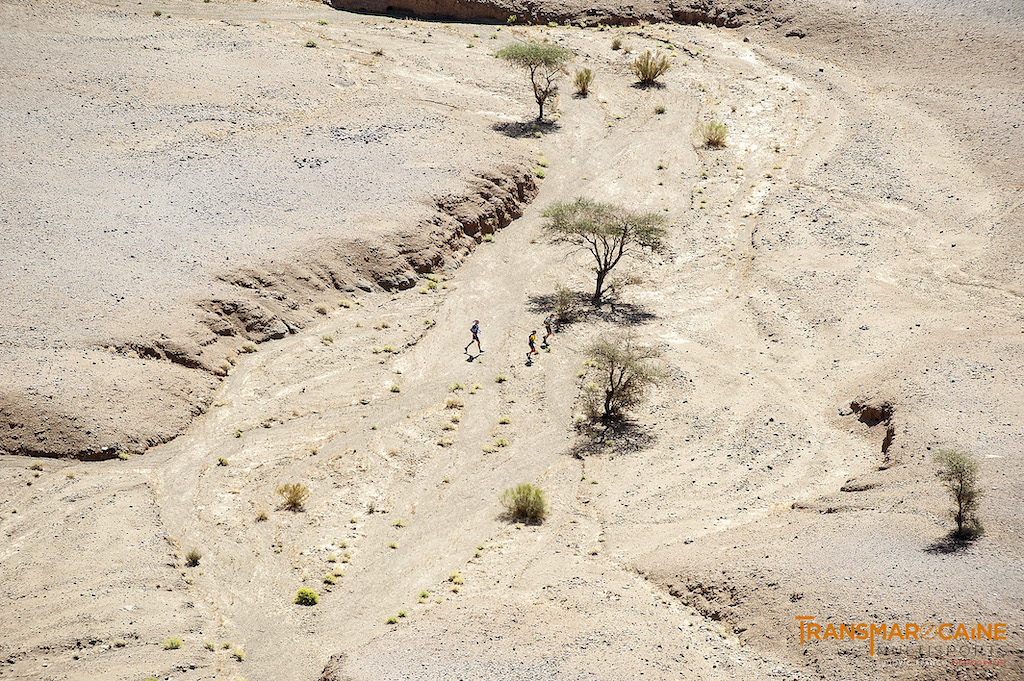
294, 494
649, 67
714, 133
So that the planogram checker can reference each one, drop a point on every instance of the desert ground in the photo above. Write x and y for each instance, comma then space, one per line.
233, 259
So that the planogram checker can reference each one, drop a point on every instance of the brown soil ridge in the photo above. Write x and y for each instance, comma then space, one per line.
717, 12
271, 303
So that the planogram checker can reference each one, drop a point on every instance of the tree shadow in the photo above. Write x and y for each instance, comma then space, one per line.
618, 437
612, 309
520, 129
615, 311
952, 543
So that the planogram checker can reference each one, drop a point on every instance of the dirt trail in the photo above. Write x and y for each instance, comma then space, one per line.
800, 262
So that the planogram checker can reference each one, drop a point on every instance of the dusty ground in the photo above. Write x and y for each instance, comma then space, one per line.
857, 241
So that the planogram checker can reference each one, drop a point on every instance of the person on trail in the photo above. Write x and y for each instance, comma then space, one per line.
475, 330
533, 346
549, 323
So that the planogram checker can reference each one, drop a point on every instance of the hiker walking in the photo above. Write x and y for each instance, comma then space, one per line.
533, 346
549, 323
475, 330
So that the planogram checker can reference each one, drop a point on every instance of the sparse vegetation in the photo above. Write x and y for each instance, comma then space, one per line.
261, 516
525, 502
714, 133
322, 22
294, 494
616, 43
540, 173
455, 387
395, 388
399, 523
501, 442
582, 81
248, 347
210, 645
193, 557
391, 620
659, 110
330, 579
543, 62
306, 596
221, 461
649, 67
310, 43
500, 378
958, 472
629, 370
504, 420
171, 643
607, 231
238, 654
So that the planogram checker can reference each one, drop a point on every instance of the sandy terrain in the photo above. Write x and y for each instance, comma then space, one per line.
856, 243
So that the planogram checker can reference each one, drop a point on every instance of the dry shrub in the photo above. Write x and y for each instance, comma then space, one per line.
648, 67
294, 494
582, 81
714, 133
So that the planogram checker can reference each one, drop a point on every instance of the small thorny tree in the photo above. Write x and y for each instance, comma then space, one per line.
628, 370
607, 231
958, 472
543, 62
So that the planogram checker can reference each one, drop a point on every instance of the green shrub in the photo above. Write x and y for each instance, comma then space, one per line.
500, 378
582, 81
958, 472
501, 442
172, 643
660, 109
310, 43
504, 419
391, 620
306, 597
238, 654
714, 134
294, 494
648, 67
209, 645
330, 578
525, 502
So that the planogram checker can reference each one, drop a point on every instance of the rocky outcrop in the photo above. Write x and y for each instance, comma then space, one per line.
717, 12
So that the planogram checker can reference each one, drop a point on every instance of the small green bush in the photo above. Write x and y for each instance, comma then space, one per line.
648, 67
306, 597
714, 133
330, 578
504, 419
500, 378
501, 442
238, 654
391, 620
660, 109
172, 643
209, 645
525, 502
310, 43
582, 81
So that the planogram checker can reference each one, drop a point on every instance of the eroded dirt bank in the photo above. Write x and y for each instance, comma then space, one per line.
834, 304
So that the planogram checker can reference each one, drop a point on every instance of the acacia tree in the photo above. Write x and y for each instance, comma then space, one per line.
543, 62
628, 370
607, 231
958, 472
